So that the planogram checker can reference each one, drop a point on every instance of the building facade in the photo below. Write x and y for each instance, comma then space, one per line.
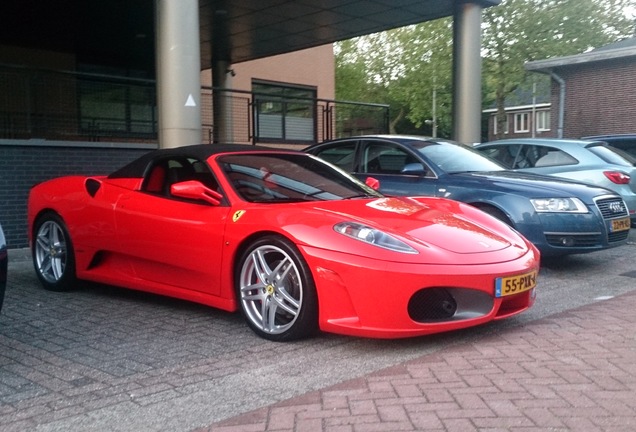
277, 100
593, 93
521, 121
88, 86
57, 121
528, 112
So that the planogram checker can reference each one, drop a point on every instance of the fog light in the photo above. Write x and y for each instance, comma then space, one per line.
567, 241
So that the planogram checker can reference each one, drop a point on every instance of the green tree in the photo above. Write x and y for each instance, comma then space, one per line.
404, 67
368, 70
518, 31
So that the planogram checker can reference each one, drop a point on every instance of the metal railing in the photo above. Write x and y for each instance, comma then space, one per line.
71, 106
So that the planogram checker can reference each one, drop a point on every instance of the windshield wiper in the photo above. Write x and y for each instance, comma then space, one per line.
360, 196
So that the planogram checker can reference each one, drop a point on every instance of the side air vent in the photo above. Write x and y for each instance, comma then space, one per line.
92, 186
446, 304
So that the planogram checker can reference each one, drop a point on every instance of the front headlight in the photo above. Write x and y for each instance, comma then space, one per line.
558, 205
373, 236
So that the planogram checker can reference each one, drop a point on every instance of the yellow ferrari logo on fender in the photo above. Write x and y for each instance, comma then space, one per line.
238, 215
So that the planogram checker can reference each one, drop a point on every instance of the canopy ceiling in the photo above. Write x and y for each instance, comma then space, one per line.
121, 32
249, 29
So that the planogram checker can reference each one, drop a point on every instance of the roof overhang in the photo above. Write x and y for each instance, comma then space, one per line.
246, 30
545, 66
122, 32
542, 105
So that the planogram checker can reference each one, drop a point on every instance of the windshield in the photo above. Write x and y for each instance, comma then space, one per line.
283, 177
456, 158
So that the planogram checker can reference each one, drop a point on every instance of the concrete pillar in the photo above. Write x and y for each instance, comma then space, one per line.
467, 73
178, 72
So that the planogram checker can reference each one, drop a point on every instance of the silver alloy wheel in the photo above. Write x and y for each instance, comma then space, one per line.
50, 251
271, 289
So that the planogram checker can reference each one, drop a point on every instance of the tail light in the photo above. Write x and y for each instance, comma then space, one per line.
617, 177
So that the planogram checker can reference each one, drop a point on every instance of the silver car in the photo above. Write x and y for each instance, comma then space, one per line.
593, 162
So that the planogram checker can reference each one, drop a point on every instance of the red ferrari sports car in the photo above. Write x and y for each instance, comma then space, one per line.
292, 241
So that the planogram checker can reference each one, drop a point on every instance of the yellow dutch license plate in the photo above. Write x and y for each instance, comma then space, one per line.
510, 285
621, 224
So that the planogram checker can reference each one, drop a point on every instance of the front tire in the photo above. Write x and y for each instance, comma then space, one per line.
276, 291
53, 256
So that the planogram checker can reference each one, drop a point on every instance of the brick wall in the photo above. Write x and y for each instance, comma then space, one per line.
600, 98
22, 166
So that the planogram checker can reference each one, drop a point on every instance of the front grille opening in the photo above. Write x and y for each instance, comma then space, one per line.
444, 304
573, 239
617, 236
612, 207
433, 304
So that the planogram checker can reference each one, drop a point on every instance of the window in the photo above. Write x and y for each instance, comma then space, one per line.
343, 156
527, 155
166, 172
522, 122
495, 124
502, 153
515, 156
542, 121
554, 157
124, 106
284, 113
611, 155
380, 158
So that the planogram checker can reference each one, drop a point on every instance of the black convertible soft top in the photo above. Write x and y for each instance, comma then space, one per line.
137, 168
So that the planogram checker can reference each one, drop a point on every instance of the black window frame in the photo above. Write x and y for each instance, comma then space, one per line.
286, 96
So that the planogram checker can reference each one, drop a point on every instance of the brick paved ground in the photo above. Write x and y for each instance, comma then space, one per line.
104, 359
575, 371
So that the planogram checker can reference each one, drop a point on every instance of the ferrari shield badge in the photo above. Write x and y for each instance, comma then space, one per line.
238, 215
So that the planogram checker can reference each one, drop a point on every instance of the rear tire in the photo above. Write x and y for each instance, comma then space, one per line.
53, 256
276, 291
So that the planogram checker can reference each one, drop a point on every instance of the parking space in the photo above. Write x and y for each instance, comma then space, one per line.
105, 359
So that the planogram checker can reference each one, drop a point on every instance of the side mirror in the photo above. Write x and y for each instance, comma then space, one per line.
373, 183
193, 189
414, 168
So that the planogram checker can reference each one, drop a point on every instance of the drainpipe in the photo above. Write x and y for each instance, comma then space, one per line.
561, 82
534, 108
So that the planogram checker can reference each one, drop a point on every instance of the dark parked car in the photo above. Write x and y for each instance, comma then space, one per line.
625, 142
3, 266
559, 216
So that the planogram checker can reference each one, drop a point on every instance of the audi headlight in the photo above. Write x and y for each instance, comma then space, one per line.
558, 205
373, 236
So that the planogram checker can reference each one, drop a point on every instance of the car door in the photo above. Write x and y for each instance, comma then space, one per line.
174, 242
399, 170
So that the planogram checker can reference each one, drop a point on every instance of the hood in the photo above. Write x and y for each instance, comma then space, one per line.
442, 230
533, 185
